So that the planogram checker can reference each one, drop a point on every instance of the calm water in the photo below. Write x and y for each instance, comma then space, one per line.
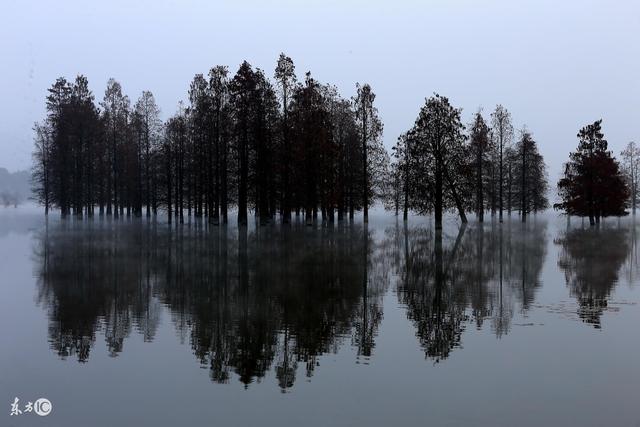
130, 324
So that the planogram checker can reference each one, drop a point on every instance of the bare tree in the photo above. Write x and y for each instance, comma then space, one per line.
630, 157
41, 167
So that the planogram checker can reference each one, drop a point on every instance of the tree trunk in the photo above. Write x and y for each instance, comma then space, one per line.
242, 187
438, 202
457, 200
500, 178
524, 181
479, 193
365, 196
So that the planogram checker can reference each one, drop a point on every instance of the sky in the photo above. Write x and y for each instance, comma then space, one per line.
555, 65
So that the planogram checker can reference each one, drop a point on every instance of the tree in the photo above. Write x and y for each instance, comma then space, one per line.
149, 128
402, 166
166, 164
343, 165
255, 117
479, 146
264, 148
57, 106
84, 136
370, 132
529, 172
311, 120
630, 158
175, 152
41, 168
219, 93
392, 188
510, 161
242, 89
593, 185
439, 154
286, 80
502, 132
67, 144
200, 143
115, 116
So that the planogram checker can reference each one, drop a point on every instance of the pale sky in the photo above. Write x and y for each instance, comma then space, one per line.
556, 65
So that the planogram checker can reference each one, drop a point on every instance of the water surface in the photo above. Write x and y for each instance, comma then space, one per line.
133, 323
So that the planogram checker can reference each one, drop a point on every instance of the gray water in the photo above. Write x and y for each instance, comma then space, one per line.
131, 323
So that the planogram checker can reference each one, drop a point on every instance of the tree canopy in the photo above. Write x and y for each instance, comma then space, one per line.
593, 185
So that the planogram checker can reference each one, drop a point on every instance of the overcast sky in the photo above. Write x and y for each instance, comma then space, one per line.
556, 65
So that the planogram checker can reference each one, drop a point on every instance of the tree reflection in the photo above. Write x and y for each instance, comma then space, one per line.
277, 299
89, 283
591, 259
448, 280
631, 267
246, 302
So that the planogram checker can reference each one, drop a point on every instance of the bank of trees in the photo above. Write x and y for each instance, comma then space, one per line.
440, 166
275, 147
242, 141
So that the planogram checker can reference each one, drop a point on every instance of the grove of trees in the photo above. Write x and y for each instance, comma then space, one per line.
276, 148
438, 166
241, 142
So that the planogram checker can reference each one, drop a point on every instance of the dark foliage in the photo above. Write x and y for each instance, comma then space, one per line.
240, 142
593, 185
277, 149
435, 169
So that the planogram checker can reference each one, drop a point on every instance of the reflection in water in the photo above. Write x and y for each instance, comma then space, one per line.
631, 267
277, 299
90, 282
279, 305
244, 301
591, 259
447, 281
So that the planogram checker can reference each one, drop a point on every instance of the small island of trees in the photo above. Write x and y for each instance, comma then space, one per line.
282, 148
593, 184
